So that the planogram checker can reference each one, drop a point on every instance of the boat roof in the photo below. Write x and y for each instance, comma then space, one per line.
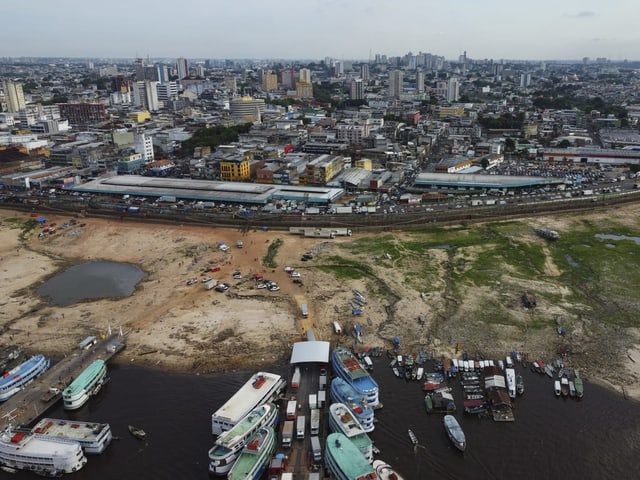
21, 369
345, 420
249, 457
80, 431
347, 456
87, 375
28, 445
237, 433
354, 368
247, 397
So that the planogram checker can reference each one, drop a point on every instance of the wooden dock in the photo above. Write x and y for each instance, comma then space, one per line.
36, 398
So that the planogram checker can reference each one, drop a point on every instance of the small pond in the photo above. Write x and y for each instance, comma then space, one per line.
91, 281
607, 236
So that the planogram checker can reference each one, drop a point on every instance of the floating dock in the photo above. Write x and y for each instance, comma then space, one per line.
45, 391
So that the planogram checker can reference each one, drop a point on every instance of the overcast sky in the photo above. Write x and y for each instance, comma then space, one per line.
314, 29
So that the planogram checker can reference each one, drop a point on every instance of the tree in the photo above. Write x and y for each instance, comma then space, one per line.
564, 144
484, 162
510, 144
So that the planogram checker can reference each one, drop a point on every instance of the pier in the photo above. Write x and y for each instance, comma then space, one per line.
36, 398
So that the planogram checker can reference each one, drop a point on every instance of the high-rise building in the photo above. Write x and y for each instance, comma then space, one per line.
364, 72
525, 80
288, 79
182, 67
357, 89
167, 91
453, 90
396, 79
230, 83
163, 72
143, 144
246, 109
145, 95
269, 81
14, 97
200, 70
305, 75
83, 114
420, 81
304, 90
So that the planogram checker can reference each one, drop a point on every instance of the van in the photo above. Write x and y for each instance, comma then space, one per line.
315, 448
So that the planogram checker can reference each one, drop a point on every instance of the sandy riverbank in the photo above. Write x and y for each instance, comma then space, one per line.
171, 325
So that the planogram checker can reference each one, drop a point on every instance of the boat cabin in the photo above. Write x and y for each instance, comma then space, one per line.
88, 342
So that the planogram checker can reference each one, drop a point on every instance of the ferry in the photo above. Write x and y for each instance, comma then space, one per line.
344, 461
341, 420
86, 385
14, 380
229, 444
343, 392
455, 433
94, 438
261, 388
347, 367
255, 457
23, 450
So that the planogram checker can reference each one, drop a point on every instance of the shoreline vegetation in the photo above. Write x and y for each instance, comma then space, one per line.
446, 290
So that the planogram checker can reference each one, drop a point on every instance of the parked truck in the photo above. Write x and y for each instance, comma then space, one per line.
315, 422
313, 401
315, 448
295, 379
292, 406
305, 310
345, 232
322, 398
322, 382
300, 426
210, 284
287, 434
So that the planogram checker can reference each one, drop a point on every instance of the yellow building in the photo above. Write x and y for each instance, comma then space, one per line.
304, 90
235, 170
322, 169
269, 81
450, 111
364, 163
140, 117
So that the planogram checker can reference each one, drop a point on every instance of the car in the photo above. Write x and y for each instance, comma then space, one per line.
261, 285
221, 287
295, 275
191, 281
237, 276
289, 269
274, 288
206, 279
239, 244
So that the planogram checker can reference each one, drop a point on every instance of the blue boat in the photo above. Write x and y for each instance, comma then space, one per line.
13, 381
342, 392
347, 367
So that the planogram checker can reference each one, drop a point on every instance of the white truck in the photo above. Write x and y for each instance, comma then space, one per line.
315, 448
305, 310
295, 379
287, 434
322, 398
315, 421
210, 284
292, 407
344, 232
313, 401
300, 426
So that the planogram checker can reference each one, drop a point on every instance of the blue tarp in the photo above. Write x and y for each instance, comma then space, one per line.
41, 220
396, 340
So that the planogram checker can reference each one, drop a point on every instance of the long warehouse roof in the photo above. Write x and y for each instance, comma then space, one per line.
482, 181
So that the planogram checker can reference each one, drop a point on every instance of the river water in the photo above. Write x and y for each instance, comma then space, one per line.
597, 437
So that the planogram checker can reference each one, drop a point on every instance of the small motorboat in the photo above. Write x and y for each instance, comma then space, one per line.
8, 469
519, 384
556, 388
413, 437
137, 432
385, 471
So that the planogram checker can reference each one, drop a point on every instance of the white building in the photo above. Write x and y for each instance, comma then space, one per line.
453, 90
396, 79
145, 95
143, 145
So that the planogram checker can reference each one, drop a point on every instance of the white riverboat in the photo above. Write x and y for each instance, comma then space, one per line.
261, 388
22, 450
15, 380
93, 437
229, 444
341, 420
510, 373
255, 456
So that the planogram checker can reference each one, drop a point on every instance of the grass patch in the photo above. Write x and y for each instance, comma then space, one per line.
344, 269
269, 259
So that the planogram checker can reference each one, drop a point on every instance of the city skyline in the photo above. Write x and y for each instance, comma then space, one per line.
317, 29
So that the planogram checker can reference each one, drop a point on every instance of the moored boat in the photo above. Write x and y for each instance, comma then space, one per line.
344, 461
255, 456
88, 383
21, 450
261, 388
572, 389
455, 433
556, 388
230, 443
14, 380
93, 437
341, 420
343, 392
578, 384
510, 374
347, 367
564, 386
519, 384
386, 471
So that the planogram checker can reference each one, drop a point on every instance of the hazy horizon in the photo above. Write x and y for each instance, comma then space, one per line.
341, 29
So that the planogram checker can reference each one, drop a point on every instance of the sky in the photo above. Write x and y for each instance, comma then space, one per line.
315, 29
